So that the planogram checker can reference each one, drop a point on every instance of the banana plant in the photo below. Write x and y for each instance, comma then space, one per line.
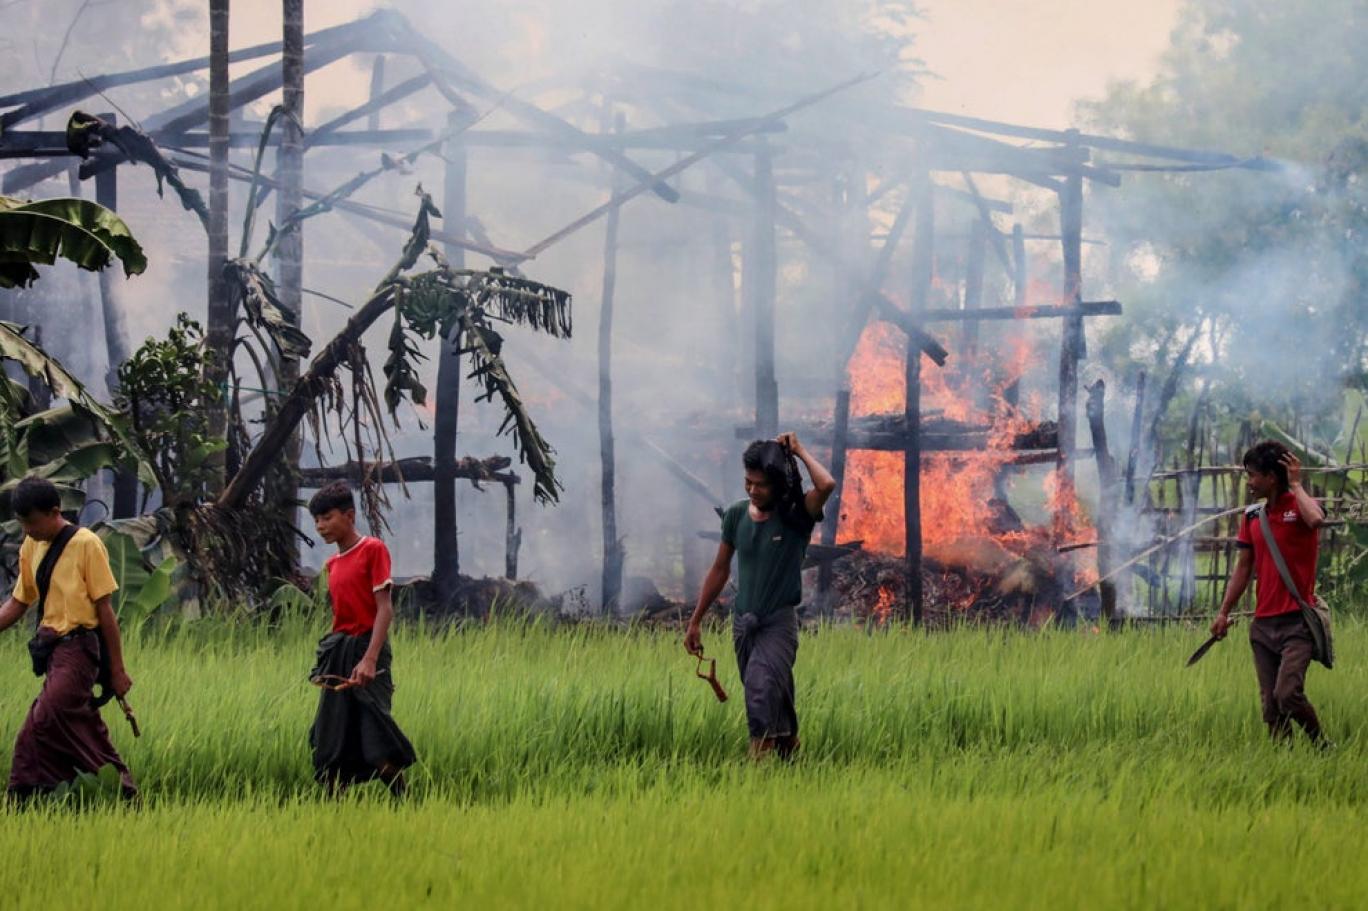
83, 232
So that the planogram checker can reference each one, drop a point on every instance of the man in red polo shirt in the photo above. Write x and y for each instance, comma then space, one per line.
1279, 635
354, 736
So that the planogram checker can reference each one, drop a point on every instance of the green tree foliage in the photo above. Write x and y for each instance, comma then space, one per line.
1266, 268
165, 394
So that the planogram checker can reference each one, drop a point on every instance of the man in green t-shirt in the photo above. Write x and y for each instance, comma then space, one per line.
768, 533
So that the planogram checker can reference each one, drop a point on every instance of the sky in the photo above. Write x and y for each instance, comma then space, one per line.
1019, 60
1029, 60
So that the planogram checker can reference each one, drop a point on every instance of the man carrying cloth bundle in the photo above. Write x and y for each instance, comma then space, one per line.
65, 571
1283, 642
768, 532
354, 738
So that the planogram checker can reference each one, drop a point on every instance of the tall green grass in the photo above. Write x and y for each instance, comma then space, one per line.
586, 767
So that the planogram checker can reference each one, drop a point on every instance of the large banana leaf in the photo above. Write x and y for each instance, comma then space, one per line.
65, 472
39, 364
165, 565
52, 433
143, 588
485, 345
78, 230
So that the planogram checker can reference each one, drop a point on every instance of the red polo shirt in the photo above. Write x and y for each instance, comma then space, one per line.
1299, 544
354, 576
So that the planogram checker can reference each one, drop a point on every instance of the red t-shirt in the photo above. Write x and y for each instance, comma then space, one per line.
1299, 544
354, 576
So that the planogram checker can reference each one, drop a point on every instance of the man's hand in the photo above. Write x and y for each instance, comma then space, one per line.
364, 672
1293, 466
790, 442
122, 683
693, 640
1221, 625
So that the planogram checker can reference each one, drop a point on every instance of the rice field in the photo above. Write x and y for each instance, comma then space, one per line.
582, 767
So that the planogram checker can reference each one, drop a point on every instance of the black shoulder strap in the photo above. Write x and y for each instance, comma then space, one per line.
43, 575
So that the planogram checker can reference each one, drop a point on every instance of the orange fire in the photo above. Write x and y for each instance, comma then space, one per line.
883, 608
962, 497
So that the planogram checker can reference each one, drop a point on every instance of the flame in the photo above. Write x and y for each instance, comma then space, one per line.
883, 608
963, 508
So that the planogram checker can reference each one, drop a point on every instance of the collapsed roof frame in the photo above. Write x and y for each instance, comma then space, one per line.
944, 143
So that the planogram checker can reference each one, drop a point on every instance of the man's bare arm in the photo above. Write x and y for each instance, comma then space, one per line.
1239, 581
364, 672
713, 583
10, 613
113, 641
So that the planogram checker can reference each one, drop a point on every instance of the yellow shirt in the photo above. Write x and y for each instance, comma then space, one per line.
80, 578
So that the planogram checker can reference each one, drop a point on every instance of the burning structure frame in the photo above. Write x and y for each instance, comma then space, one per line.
760, 156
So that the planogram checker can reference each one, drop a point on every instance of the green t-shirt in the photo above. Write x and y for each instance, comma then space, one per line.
769, 559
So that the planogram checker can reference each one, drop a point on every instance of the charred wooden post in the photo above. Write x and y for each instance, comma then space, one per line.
1190, 485
690, 558
512, 533
1137, 442
973, 283
762, 288
220, 327
446, 546
613, 556
1070, 354
923, 254
116, 335
289, 252
1071, 346
1106, 476
840, 442
852, 202
1020, 275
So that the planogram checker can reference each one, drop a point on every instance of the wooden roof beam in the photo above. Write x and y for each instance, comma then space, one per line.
36, 102
407, 40
385, 99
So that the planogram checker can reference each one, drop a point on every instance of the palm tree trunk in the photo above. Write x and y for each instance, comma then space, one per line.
220, 314
613, 556
289, 254
446, 556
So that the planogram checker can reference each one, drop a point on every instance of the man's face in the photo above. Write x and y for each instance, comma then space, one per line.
1261, 483
759, 490
42, 526
335, 524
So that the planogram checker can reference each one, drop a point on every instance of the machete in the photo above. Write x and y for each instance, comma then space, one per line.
1206, 646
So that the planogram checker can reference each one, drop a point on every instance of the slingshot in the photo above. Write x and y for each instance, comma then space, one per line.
336, 683
710, 676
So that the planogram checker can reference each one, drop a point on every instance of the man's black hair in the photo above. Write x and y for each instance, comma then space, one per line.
334, 495
1266, 457
35, 495
780, 468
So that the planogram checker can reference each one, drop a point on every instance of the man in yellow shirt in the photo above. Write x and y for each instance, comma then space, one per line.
63, 734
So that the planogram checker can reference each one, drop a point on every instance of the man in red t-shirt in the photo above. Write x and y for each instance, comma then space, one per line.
354, 737
1279, 635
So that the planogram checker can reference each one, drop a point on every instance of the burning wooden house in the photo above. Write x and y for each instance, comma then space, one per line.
920, 410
